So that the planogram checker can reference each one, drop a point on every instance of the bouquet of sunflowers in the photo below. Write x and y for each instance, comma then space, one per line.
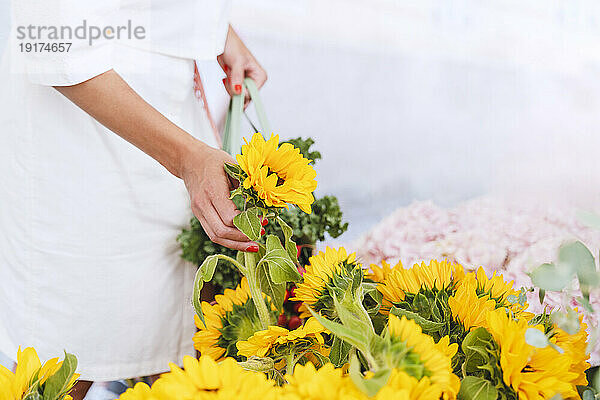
431, 331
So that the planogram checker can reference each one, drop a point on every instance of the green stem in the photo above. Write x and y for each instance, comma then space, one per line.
290, 362
255, 292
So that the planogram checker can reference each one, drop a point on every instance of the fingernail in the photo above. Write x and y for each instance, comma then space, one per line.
226, 69
262, 231
238, 89
264, 222
225, 81
253, 248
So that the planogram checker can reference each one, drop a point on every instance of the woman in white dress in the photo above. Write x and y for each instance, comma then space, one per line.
88, 258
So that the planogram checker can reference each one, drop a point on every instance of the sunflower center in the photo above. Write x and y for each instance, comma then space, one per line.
280, 180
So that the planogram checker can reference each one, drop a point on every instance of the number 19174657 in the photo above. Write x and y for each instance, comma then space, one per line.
39, 47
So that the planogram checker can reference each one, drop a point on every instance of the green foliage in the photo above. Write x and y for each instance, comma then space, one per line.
196, 247
57, 386
482, 375
304, 146
430, 309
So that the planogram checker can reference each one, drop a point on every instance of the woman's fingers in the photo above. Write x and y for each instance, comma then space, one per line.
256, 72
235, 79
218, 232
232, 244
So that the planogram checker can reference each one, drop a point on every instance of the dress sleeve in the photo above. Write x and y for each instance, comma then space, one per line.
64, 21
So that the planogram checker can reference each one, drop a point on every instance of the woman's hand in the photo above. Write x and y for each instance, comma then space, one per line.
238, 63
209, 188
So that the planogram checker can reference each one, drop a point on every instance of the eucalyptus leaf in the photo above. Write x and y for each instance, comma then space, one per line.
476, 388
281, 268
579, 259
58, 384
536, 338
249, 223
588, 395
542, 295
567, 321
590, 219
549, 277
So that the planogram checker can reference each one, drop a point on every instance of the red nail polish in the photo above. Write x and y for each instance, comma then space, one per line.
225, 81
262, 231
238, 89
253, 248
226, 68
264, 222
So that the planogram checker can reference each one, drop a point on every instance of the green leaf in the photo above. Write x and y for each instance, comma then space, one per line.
589, 219
249, 223
576, 257
207, 269
354, 337
235, 171
542, 295
289, 244
475, 348
196, 296
368, 386
567, 321
204, 274
476, 388
549, 277
276, 291
281, 268
339, 352
426, 325
57, 385
588, 395
585, 303
536, 338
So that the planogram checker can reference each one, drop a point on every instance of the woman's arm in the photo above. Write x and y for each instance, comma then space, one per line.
113, 103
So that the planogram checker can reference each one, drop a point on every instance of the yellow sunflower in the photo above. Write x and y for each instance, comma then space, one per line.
325, 383
379, 274
400, 281
232, 318
498, 289
140, 391
206, 378
576, 347
468, 308
309, 336
280, 175
435, 359
402, 386
29, 368
321, 269
533, 373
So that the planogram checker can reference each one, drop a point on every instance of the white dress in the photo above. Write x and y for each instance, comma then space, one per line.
88, 257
